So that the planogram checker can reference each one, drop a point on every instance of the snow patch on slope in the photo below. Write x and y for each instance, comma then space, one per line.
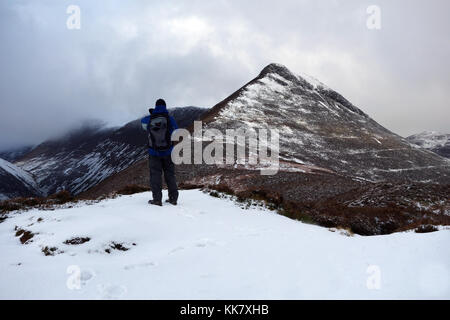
82, 171
312, 81
430, 139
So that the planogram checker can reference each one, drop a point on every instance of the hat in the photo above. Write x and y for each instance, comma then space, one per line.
160, 102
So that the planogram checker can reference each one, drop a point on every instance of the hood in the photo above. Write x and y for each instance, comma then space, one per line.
160, 109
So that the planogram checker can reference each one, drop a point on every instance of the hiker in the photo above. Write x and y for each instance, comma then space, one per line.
159, 126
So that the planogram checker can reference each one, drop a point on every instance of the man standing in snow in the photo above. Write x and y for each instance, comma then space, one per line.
159, 126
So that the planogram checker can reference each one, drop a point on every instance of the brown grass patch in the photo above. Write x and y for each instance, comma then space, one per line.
25, 235
132, 189
426, 228
61, 197
333, 213
51, 251
77, 240
116, 246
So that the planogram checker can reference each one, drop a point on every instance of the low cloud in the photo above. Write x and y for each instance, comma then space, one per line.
128, 54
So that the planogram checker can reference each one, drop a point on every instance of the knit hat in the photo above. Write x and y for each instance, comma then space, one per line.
160, 102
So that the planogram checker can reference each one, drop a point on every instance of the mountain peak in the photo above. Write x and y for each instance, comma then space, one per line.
275, 67
279, 69
302, 78
323, 129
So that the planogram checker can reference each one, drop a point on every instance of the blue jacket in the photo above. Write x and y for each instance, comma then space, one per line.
146, 120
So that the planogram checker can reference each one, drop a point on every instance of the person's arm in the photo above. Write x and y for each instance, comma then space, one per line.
174, 124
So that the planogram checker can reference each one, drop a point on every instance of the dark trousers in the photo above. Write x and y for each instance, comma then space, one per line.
157, 166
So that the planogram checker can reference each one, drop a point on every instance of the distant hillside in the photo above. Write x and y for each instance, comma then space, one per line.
15, 154
88, 155
15, 182
433, 141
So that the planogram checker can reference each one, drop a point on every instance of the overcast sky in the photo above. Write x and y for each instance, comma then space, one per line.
129, 53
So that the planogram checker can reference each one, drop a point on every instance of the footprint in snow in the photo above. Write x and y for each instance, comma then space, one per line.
183, 213
205, 242
187, 216
140, 265
176, 250
86, 276
247, 232
111, 291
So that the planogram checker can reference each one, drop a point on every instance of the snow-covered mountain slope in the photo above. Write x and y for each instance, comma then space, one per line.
209, 248
83, 158
88, 155
15, 182
320, 127
433, 141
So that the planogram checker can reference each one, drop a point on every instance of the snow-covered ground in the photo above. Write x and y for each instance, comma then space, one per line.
210, 248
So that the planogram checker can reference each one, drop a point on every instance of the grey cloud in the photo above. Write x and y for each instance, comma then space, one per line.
127, 54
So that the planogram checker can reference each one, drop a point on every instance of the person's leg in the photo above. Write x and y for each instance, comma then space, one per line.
169, 176
155, 164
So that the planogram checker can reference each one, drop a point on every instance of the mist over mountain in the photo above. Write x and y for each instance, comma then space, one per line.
86, 155
14, 154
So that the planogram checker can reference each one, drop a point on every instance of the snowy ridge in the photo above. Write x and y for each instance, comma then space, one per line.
17, 172
216, 251
16, 182
315, 83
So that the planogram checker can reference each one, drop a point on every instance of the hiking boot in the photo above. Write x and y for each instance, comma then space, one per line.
155, 202
172, 201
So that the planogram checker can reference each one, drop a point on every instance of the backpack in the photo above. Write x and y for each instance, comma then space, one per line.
159, 132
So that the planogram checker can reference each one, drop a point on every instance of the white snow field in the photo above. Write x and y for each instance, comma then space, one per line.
210, 248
